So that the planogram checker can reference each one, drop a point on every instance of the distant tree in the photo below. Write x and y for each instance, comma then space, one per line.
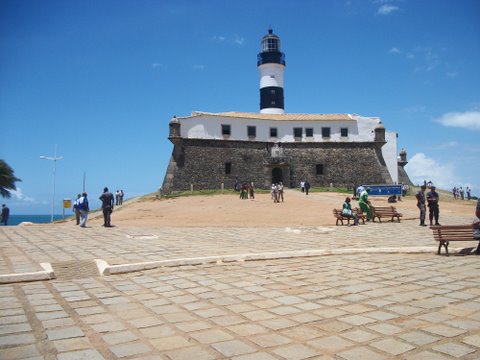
7, 179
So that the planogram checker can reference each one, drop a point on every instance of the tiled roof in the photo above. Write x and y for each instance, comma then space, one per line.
279, 117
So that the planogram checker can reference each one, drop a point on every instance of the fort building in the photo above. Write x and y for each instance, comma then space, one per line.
211, 149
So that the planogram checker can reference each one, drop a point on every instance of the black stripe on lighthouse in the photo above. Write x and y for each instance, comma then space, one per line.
271, 97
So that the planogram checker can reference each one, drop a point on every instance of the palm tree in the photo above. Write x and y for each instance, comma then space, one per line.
7, 179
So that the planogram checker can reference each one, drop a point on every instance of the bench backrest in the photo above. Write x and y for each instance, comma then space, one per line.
452, 232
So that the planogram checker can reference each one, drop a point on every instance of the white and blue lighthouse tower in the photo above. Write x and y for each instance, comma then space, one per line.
271, 66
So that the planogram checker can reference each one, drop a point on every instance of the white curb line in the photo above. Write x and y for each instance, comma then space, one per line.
106, 269
46, 274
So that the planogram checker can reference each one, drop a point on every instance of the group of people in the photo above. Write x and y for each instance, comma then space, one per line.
81, 208
304, 187
246, 190
431, 201
363, 202
277, 192
459, 193
119, 194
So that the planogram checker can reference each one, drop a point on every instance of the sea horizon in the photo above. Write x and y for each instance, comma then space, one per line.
36, 219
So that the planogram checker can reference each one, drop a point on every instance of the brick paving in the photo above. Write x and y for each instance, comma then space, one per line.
357, 306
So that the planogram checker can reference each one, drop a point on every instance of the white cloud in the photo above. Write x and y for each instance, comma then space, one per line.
394, 50
447, 145
238, 39
443, 175
468, 120
199, 67
235, 38
159, 65
18, 195
387, 9
219, 38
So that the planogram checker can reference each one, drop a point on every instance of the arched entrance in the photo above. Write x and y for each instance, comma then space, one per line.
277, 175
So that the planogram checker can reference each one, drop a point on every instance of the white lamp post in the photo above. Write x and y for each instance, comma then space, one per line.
54, 159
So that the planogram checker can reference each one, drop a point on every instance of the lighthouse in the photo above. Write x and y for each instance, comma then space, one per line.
271, 65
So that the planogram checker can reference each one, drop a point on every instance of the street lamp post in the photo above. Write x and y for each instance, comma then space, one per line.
54, 159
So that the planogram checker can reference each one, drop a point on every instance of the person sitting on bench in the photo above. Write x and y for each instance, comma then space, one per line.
348, 212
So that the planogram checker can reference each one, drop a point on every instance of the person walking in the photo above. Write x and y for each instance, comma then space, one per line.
420, 195
76, 210
307, 187
433, 208
107, 206
364, 203
83, 208
5, 214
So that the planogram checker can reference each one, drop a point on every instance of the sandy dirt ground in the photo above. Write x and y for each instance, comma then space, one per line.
229, 211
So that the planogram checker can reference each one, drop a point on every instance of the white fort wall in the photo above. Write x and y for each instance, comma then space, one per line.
210, 127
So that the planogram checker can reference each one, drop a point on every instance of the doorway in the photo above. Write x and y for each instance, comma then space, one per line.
277, 175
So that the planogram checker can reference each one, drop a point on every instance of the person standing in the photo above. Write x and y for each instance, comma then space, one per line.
117, 197
280, 191
307, 187
83, 208
364, 203
107, 206
476, 226
5, 214
433, 208
302, 186
76, 210
122, 194
420, 195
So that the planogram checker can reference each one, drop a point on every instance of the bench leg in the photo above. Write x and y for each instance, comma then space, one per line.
445, 245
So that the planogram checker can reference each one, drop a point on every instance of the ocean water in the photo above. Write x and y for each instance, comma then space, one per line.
37, 219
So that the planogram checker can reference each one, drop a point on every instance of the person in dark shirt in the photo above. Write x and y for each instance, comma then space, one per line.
420, 195
107, 206
433, 208
5, 214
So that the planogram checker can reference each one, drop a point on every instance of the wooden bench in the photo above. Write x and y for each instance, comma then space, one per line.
446, 233
337, 213
380, 212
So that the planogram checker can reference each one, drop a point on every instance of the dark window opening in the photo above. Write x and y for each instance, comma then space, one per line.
325, 132
273, 132
309, 132
297, 132
319, 169
226, 130
228, 168
251, 131
344, 132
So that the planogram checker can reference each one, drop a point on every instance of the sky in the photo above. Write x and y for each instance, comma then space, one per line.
100, 80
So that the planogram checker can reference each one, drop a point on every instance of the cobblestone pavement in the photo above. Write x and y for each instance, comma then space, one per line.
363, 306
25, 247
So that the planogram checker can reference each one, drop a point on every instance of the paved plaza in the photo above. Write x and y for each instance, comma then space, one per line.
389, 303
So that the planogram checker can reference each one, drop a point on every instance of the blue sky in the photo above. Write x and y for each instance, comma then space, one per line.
102, 79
